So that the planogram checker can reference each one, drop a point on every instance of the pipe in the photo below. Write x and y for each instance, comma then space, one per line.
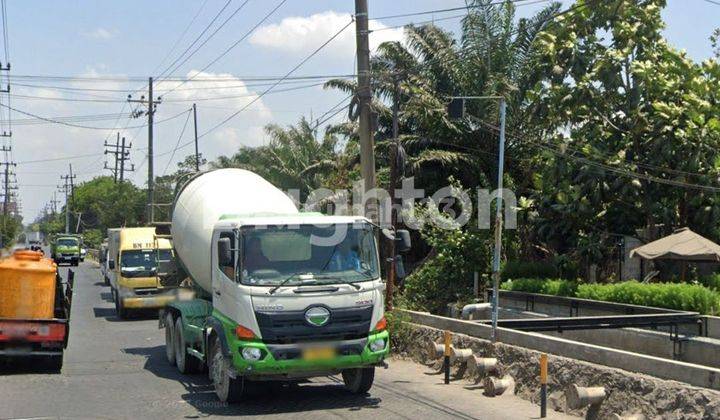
461, 355
497, 386
481, 366
580, 397
474, 308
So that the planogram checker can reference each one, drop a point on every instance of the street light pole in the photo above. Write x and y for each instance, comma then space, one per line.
498, 223
456, 109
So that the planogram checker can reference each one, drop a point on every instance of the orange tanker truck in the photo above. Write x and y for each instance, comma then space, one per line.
34, 309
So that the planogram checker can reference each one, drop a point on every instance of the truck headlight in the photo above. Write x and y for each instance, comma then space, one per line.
252, 354
377, 345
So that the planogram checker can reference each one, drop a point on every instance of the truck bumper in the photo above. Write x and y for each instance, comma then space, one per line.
146, 298
285, 361
148, 302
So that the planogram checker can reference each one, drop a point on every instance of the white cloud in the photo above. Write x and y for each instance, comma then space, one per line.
304, 34
100, 33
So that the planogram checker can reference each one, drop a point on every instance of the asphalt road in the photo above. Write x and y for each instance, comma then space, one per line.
117, 370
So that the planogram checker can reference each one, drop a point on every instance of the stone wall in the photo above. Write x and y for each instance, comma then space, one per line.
628, 393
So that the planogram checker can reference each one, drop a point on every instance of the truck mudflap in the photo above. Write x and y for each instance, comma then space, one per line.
308, 359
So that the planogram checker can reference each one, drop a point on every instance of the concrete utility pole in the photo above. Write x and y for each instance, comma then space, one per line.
151, 105
364, 94
69, 189
6, 186
54, 202
197, 154
121, 152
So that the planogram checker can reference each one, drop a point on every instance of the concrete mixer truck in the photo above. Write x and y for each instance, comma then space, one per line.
279, 294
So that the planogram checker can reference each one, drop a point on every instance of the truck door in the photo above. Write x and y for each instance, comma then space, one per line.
224, 283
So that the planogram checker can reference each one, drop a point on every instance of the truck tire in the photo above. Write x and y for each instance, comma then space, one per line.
186, 363
359, 380
120, 310
170, 338
227, 389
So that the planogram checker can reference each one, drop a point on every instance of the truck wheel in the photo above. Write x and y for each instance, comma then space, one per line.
227, 389
359, 380
120, 310
170, 338
185, 362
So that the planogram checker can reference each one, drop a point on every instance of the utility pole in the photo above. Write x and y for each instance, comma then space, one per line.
121, 153
125, 155
6, 186
197, 155
7, 133
394, 172
54, 202
364, 96
68, 188
151, 105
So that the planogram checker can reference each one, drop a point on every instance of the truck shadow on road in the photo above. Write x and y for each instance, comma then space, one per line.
267, 398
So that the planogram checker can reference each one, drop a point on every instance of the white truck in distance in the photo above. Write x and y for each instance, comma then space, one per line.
280, 294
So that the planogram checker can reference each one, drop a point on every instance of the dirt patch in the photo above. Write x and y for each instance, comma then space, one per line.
628, 393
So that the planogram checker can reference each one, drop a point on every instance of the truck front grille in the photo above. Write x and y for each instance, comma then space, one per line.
289, 327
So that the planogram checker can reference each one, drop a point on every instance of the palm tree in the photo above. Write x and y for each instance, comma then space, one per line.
492, 57
293, 159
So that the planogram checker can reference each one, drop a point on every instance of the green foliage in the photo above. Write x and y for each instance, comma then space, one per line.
528, 269
711, 281
399, 329
447, 276
628, 101
542, 286
681, 296
92, 238
10, 227
293, 159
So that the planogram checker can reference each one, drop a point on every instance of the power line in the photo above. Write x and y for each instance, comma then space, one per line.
177, 145
208, 38
288, 74
446, 10
29, 114
235, 44
207, 27
210, 98
182, 36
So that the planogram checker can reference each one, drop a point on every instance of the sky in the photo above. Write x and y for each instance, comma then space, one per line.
113, 47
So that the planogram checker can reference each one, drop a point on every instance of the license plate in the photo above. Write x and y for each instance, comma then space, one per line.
318, 353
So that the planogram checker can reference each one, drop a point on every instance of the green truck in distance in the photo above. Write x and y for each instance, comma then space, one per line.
65, 248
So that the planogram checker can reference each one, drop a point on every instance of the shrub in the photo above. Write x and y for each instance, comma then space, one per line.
711, 281
528, 269
680, 296
542, 286
448, 275
399, 329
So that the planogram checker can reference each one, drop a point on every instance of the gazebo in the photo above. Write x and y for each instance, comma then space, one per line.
683, 245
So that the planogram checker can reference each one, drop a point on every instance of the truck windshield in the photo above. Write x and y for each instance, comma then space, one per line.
274, 253
138, 263
67, 242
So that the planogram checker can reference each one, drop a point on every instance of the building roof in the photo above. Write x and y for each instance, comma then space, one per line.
684, 244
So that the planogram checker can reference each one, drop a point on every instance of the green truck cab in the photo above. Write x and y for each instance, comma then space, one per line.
65, 249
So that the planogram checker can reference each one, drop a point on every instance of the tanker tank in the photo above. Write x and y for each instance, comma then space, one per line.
207, 197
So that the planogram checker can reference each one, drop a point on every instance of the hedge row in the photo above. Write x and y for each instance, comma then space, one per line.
681, 296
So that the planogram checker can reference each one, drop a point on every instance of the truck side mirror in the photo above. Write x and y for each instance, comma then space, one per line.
224, 252
111, 264
402, 237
